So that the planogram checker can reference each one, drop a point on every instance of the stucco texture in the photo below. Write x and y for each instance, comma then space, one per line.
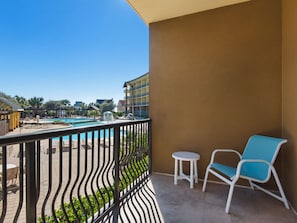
215, 79
289, 98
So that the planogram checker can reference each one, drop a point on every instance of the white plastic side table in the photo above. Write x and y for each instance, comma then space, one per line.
190, 157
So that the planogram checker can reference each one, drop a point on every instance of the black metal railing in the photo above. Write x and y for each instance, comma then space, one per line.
84, 174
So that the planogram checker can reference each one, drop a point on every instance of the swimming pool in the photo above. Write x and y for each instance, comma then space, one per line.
87, 122
108, 133
70, 120
97, 133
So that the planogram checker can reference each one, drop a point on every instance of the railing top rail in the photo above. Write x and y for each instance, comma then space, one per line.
53, 133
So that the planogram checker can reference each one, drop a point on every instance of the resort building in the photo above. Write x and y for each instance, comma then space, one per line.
137, 96
121, 107
101, 101
10, 114
78, 104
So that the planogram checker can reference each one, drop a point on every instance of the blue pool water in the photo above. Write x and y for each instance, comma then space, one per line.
89, 122
71, 120
96, 135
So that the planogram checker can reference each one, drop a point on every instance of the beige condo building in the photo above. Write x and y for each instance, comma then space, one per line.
137, 96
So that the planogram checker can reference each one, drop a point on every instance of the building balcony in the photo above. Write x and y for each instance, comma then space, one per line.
104, 173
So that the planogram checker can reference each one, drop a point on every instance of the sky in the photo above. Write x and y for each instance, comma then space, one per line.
80, 50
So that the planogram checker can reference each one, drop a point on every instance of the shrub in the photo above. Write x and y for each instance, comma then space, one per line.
76, 209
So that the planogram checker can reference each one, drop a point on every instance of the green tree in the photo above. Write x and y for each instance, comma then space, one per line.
65, 103
21, 101
36, 104
93, 113
83, 109
2, 94
51, 108
58, 108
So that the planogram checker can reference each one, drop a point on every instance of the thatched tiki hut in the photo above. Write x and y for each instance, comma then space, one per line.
10, 114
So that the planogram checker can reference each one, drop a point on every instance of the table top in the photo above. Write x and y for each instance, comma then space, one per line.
183, 155
8, 166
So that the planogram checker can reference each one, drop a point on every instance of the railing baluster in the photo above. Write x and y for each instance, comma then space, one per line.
85, 175
31, 193
38, 168
92, 176
68, 181
21, 180
76, 179
60, 165
4, 186
50, 153
101, 157
150, 152
116, 156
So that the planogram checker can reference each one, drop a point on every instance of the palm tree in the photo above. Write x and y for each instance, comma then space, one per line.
65, 102
93, 113
21, 101
65, 105
36, 104
51, 108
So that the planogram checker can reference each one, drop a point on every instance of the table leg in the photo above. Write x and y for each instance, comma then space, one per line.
181, 172
196, 172
191, 174
175, 171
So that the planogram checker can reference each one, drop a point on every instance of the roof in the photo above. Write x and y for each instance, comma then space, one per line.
157, 10
8, 105
121, 102
127, 82
95, 107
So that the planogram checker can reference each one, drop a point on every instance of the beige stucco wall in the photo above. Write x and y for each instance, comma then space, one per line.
290, 97
215, 79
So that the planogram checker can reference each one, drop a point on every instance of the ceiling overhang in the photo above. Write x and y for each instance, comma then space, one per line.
157, 10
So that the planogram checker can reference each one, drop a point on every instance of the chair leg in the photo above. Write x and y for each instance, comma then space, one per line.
280, 188
205, 179
229, 198
251, 184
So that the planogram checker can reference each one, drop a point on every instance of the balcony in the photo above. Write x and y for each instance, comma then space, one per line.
103, 174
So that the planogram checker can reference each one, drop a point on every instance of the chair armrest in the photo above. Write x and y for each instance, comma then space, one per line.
223, 150
241, 162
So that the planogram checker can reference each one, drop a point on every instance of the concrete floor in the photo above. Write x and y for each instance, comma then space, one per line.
180, 204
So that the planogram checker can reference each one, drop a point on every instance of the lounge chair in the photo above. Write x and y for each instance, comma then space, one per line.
11, 176
255, 165
53, 150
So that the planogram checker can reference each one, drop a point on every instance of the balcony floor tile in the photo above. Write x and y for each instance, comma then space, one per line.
178, 203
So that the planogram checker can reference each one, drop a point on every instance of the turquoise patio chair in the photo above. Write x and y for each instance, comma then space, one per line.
255, 165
